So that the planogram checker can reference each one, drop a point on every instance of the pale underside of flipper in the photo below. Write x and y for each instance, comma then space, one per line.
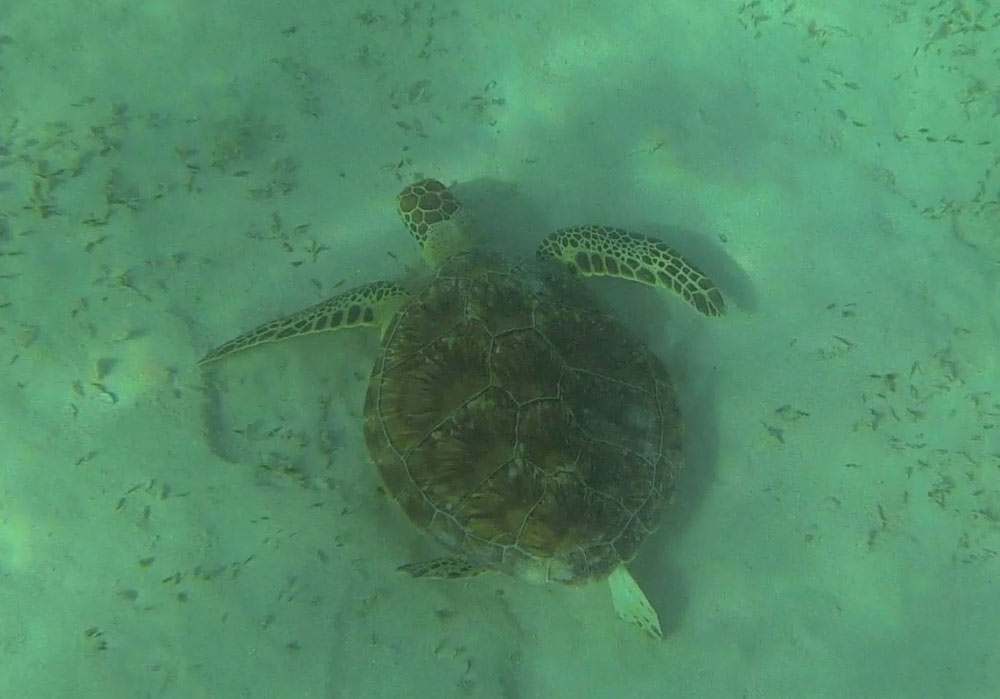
371, 304
631, 604
629, 601
594, 251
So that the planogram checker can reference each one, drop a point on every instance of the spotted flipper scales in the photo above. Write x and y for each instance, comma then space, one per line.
371, 304
449, 568
602, 251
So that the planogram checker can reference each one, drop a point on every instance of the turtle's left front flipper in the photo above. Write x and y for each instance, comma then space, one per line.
370, 304
598, 251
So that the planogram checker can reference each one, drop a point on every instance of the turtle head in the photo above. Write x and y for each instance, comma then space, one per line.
437, 220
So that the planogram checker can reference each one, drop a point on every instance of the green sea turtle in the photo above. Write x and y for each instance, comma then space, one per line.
512, 416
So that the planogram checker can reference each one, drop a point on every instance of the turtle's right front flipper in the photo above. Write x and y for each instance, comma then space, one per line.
371, 304
603, 251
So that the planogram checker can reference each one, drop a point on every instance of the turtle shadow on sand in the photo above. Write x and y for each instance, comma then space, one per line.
511, 222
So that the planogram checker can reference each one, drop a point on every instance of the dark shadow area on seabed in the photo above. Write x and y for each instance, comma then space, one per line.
719, 128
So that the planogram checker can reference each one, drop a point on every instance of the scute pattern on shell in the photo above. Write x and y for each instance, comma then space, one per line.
522, 426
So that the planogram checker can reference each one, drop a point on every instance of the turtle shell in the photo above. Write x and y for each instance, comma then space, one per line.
520, 424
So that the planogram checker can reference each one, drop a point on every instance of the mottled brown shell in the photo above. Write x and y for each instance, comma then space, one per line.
524, 431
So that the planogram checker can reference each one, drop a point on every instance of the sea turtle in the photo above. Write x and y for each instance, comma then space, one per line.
509, 413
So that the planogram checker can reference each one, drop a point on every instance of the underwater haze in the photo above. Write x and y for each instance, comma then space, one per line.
176, 172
